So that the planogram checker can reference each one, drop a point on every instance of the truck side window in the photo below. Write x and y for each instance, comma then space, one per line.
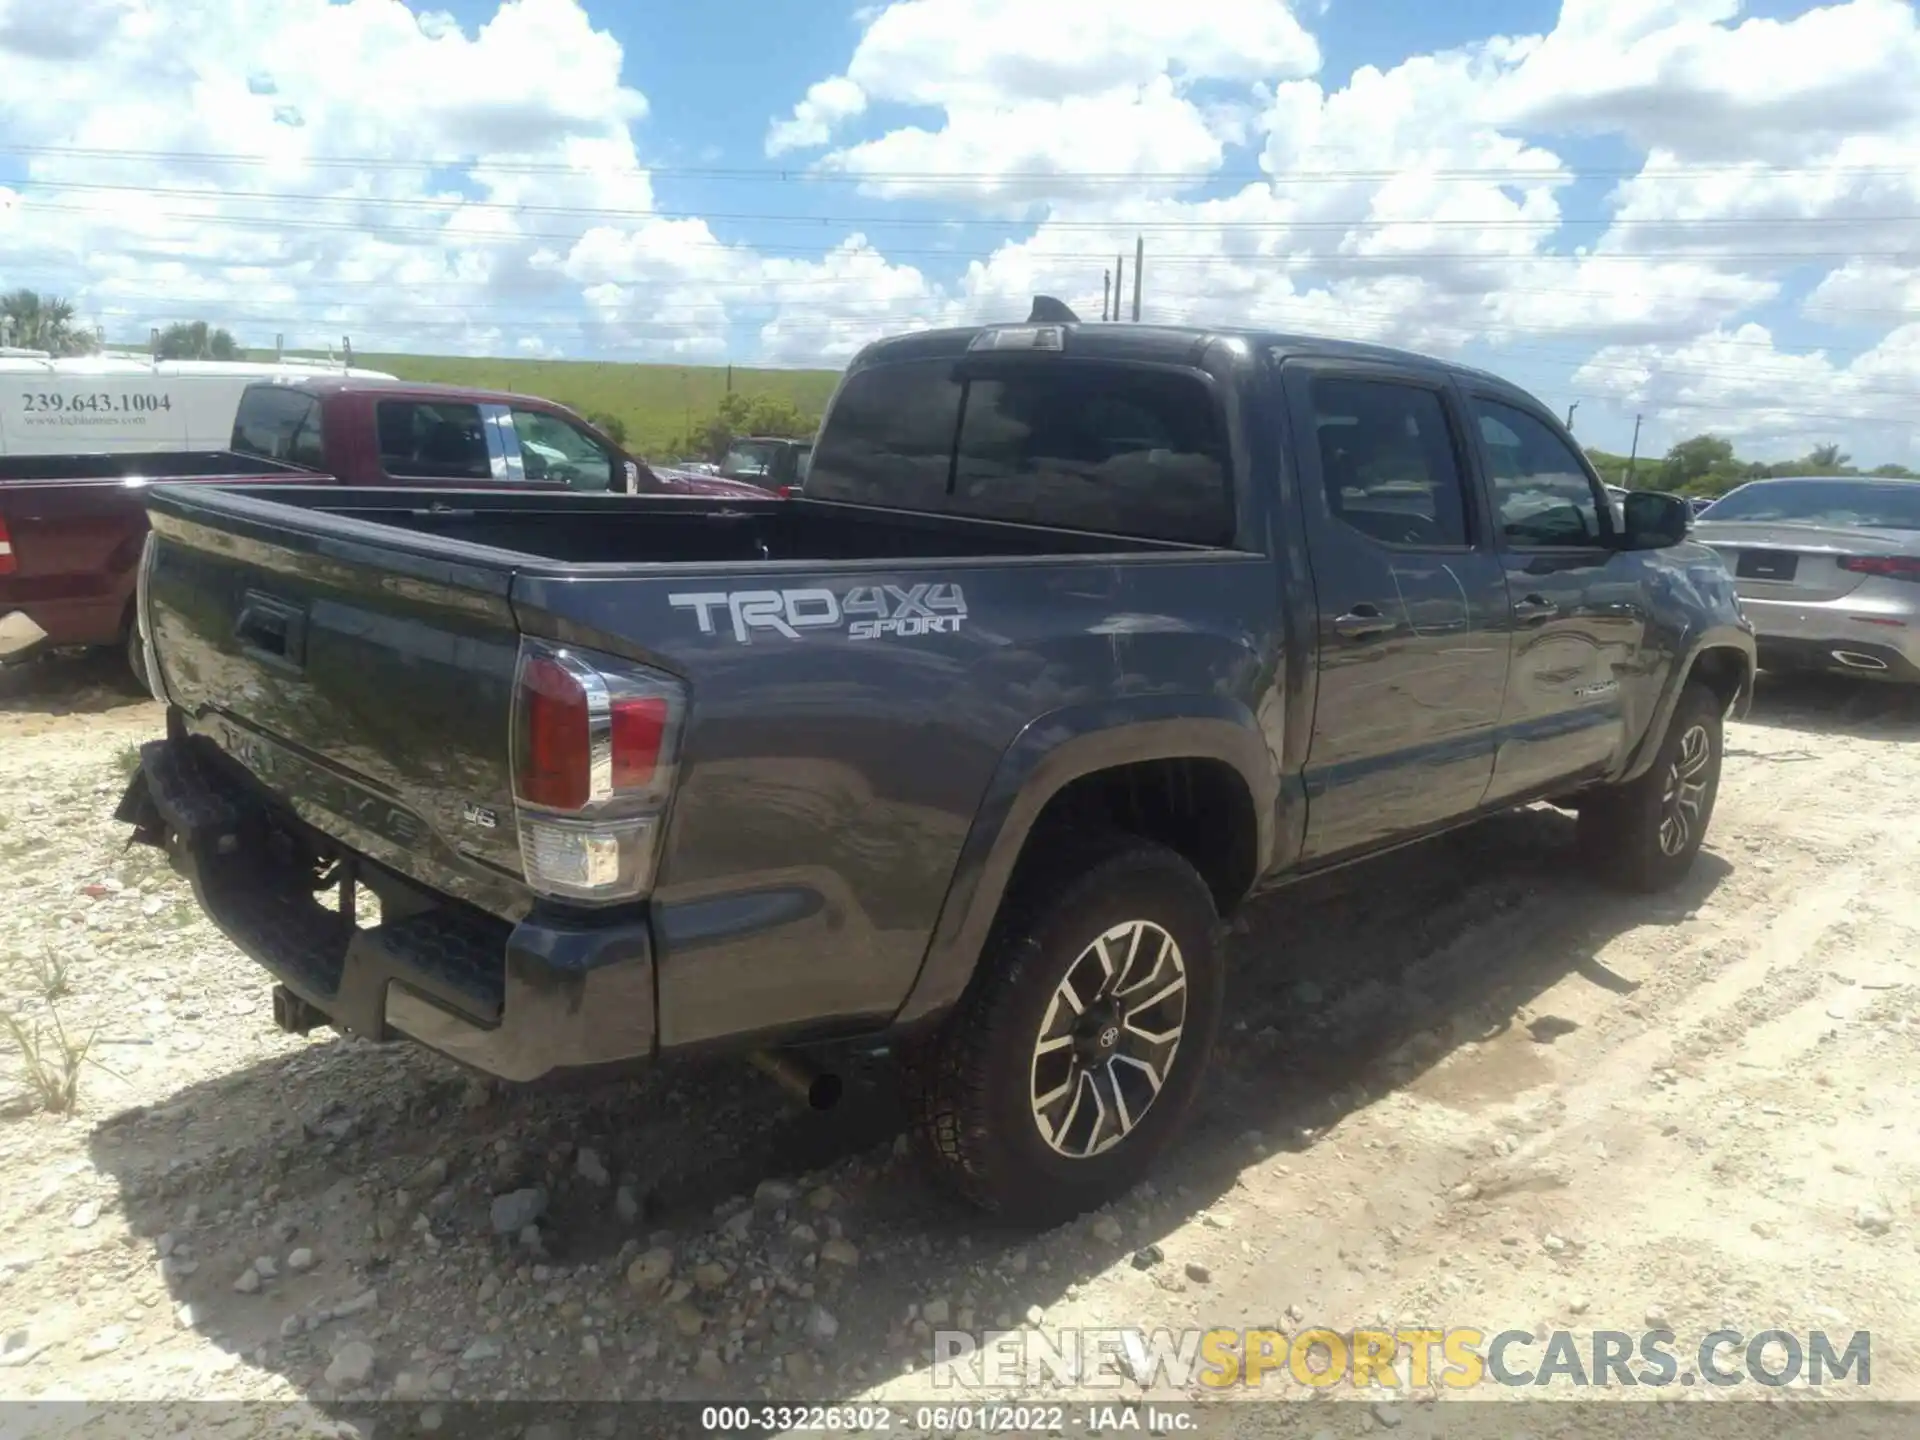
1541, 493
1388, 462
1093, 447
551, 449
277, 422
889, 438
432, 440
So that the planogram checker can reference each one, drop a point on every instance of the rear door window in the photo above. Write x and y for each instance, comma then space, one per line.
1075, 445
1388, 462
432, 440
277, 422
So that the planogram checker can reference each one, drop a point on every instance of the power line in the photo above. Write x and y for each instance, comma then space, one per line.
461, 203
1305, 260
818, 175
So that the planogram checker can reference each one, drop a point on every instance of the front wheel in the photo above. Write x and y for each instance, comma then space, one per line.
1076, 1053
1646, 834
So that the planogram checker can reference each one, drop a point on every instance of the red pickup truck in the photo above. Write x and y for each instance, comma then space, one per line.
71, 526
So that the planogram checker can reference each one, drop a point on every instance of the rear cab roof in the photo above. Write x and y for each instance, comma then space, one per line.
1188, 346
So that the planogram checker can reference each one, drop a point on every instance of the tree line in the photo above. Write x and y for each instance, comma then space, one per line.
1707, 465
30, 320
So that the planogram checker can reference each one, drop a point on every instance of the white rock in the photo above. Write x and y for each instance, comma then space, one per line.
249, 1281
85, 1214
773, 1194
480, 1351
267, 1266
1108, 1231
364, 1301
352, 1364
514, 1211
626, 1205
1872, 1219
821, 1326
104, 1343
300, 1260
650, 1268
840, 1252
936, 1312
589, 1167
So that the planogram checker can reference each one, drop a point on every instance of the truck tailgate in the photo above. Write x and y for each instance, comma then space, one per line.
365, 681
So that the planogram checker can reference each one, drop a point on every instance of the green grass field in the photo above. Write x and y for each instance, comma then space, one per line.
655, 402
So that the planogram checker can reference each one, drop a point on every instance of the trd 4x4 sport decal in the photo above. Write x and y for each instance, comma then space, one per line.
865, 612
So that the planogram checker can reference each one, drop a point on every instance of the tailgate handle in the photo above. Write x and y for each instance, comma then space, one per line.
272, 630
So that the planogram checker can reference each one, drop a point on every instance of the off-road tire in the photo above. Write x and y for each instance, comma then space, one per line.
1620, 829
136, 657
971, 1083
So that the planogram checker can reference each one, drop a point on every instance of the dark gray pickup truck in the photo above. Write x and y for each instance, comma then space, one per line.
1080, 635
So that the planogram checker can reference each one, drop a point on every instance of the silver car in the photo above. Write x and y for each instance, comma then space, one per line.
1828, 570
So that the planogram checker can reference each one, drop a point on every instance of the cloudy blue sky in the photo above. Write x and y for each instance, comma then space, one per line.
1700, 211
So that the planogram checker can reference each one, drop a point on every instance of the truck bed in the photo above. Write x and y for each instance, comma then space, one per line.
143, 465
589, 529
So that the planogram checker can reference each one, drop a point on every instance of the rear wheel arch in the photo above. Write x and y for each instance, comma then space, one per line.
1202, 784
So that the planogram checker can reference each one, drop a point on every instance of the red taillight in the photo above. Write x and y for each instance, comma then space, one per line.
639, 727
1897, 567
785, 492
555, 762
7, 560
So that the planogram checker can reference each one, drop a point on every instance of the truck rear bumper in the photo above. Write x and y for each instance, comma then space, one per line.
515, 1000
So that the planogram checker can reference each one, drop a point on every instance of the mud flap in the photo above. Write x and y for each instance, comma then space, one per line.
136, 808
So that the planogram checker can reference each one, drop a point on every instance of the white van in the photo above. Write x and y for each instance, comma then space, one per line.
121, 403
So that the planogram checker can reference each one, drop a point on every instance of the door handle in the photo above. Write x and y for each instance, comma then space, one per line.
1533, 607
1363, 622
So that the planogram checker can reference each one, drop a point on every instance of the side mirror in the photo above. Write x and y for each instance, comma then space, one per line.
1653, 521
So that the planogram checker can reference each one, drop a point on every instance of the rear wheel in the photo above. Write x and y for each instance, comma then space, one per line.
1645, 834
1076, 1053
136, 654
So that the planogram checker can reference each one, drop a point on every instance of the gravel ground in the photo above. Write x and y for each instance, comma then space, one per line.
1463, 1087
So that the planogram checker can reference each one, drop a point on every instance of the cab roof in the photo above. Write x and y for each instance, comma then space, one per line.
410, 389
1184, 345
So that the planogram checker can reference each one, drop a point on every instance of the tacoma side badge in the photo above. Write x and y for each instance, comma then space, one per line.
479, 815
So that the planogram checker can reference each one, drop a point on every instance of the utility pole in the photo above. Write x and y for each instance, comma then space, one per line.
1633, 455
1119, 278
1139, 262
729, 377
1106, 292
1570, 409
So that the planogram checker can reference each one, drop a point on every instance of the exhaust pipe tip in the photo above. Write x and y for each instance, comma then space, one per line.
817, 1089
1854, 660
